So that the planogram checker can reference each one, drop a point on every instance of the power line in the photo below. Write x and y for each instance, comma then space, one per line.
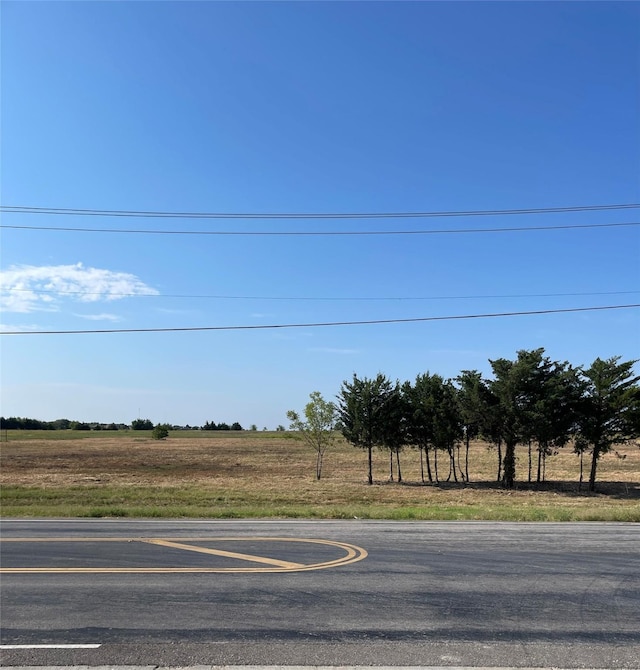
72, 211
317, 325
321, 232
316, 298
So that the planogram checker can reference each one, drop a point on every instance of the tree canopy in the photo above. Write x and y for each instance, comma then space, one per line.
367, 410
530, 400
609, 408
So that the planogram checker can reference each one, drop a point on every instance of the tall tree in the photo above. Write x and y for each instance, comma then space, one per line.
394, 432
491, 428
318, 426
609, 410
433, 420
512, 385
505, 389
420, 418
364, 407
473, 408
554, 395
447, 423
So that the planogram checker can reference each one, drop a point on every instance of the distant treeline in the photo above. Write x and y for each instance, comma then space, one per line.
221, 426
24, 423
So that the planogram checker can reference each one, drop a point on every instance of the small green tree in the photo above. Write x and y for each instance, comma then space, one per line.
160, 432
318, 427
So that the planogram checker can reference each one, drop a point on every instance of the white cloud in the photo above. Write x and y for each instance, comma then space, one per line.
163, 310
99, 317
29, 288
333, 350
8, 328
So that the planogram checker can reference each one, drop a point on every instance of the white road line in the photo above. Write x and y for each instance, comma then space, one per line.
49, 646
283, 667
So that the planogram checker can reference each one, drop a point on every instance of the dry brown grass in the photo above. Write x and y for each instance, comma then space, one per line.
260, 474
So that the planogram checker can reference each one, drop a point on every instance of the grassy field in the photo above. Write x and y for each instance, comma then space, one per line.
264, 474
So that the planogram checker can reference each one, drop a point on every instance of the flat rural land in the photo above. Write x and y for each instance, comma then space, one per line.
260, 474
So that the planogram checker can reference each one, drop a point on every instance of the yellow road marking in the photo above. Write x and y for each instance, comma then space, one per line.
352, 555
228, 554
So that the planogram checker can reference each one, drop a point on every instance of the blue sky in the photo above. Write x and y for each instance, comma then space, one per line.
318, 107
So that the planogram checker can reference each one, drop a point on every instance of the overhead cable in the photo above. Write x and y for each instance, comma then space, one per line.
316, 325
37, 291
443, 231
73, 211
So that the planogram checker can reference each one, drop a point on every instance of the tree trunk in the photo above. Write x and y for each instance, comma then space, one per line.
529, 461
426, 455
319, 466
390, 465
370, 449
594, 466
509, 467
435, 464
581, 470
460, 470
539, 464
499, 460
421, 464
466, 458
452, 464
398, 464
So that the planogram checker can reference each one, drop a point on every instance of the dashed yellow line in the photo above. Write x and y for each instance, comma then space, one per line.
352, 554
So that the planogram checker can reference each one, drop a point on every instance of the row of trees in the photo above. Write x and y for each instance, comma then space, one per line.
221, 426
531, 401
24, 423
147, 424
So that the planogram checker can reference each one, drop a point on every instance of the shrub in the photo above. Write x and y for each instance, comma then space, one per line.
160, 432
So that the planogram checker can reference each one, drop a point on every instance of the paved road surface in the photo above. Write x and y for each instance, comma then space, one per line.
369, 593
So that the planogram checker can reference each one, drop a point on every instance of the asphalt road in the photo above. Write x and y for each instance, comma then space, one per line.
185, 593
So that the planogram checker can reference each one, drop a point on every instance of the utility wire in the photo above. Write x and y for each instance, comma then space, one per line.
317, 325
320, 232
20, 209
316, 298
